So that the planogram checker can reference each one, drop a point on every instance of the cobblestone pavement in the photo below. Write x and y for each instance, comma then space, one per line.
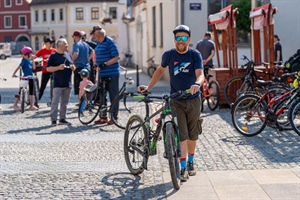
39, 161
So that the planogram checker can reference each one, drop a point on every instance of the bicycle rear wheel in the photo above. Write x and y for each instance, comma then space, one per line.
23, 93
294, 116
123, 107
249, 115
151, 69
214, 98
88, 110
135, 145
172, 153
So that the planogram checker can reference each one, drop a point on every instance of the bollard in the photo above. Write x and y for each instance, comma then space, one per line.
137, 76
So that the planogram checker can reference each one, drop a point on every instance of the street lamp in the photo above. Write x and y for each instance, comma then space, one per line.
105, 19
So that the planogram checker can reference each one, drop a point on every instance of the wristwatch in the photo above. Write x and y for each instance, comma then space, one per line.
105, 64
197, 83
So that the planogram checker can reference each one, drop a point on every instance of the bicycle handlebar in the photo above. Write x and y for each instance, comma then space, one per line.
3, 79
177, 94
150, 59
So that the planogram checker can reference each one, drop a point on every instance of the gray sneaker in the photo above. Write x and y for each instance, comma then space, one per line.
191, 169
184, 175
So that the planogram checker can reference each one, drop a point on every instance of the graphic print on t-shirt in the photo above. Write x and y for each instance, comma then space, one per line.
181, 67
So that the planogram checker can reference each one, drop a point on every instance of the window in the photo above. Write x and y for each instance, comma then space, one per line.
7, 3
19, 2
95, 13
44, 15
7, 39
52, 15
36, 16
22, 21
113, 12
61, 14
161, 24
154, 26
79, 13
7, 22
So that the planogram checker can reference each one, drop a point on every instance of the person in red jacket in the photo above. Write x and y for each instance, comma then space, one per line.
45, 53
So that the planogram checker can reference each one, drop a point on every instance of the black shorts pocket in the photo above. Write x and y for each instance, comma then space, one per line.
199, 124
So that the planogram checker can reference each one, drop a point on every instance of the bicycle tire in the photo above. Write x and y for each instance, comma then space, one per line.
294, 116
134, 148
230, 94
23, 93
171, 151
283, 120
36, 90
122, 108
151, 69
214, 97
245, 124
88, 110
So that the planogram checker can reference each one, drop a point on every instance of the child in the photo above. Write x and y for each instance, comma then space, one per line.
84, 73
27, 66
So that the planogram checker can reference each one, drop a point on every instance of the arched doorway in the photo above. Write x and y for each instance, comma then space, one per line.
21, 40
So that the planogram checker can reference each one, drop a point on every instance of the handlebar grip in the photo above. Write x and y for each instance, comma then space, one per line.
138, 98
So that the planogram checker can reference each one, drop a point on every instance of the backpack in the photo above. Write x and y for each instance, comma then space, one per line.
292, 61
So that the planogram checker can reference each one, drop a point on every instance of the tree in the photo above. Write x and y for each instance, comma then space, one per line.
243, 22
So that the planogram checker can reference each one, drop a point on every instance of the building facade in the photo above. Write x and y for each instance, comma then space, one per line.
15, 23
60, 18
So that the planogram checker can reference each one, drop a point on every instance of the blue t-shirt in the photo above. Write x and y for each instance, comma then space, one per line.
61, 78
84, 50
182, 69
105, 51
26, 65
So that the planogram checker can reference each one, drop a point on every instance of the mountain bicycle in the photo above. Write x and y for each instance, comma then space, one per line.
252, 113
239, 85
92, 102
151, 66
140, 139
210, 91
24, 93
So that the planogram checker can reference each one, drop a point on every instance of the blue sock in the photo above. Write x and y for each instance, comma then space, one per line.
190, 157
183, 163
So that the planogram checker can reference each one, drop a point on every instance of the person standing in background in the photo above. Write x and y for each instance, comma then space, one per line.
207, 49
93, 46
81, 55
45, 53
277, 49
107, 58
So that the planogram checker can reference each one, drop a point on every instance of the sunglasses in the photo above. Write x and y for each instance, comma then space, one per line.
183, 38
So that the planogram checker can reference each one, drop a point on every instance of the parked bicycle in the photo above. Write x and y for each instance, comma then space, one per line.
151, 66
91, 103
210, 91
2, 79
140, 140
239, 85
24, 93
127, 61
252, 113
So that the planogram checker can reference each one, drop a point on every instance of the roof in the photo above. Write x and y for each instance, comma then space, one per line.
43, 2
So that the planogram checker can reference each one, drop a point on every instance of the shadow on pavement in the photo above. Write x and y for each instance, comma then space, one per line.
127, 186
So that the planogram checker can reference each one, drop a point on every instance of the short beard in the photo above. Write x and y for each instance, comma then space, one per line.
181, 49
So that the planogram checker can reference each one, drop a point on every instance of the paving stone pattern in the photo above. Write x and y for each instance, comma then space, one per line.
39, 161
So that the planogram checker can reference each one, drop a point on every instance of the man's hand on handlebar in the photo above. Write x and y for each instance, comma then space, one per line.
142, 88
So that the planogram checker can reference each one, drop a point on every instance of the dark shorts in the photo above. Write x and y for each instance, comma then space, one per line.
188, 116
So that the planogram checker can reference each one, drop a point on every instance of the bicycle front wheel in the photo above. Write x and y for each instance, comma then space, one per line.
234, 88
135, 144
123, 107
23, 93
214, 95
249, 115
88, 110
172, 153
294, 116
